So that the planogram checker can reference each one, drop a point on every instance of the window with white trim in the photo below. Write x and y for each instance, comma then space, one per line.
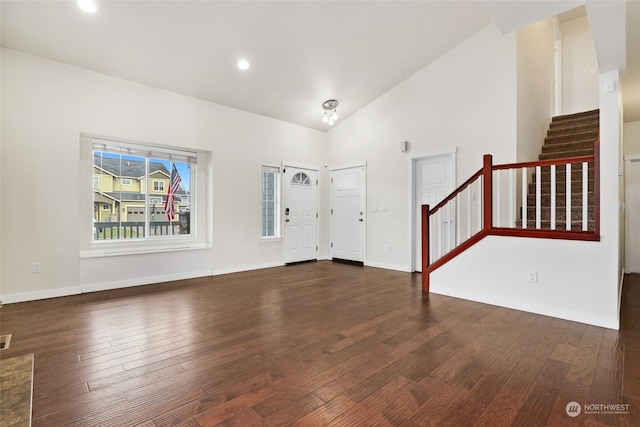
158, 208
270, 201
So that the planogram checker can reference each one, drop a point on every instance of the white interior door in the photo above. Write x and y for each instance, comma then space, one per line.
348, 219
300, 214
632, 217
434, 180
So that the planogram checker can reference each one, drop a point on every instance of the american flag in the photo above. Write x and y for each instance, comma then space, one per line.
173, 187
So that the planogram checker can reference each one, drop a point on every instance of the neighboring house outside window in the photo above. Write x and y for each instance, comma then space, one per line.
135, 194
270, 201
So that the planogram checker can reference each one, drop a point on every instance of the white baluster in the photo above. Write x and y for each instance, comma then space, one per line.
498, 193
568, 196
538, 197
553, 197
469, 191
512, 196
524, 197
585, 196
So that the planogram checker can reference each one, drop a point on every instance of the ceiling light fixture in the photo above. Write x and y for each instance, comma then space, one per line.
329, 115
243, 64
88, 6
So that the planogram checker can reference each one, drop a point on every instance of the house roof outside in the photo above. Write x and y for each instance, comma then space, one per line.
127, 168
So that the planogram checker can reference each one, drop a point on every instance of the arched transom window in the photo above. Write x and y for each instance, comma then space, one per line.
301, 178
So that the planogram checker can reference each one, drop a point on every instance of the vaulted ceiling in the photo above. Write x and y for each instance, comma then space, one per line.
301, 53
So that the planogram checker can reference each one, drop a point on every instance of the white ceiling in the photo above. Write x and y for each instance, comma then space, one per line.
301, 52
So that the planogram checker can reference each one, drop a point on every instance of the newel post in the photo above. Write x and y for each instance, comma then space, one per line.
487, 197
425, 248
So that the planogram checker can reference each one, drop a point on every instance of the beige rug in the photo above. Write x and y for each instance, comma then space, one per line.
16, 391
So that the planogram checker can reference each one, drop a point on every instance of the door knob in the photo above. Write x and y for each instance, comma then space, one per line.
360, 219
286, 220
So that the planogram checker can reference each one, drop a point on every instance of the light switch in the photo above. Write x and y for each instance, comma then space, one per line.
609, 86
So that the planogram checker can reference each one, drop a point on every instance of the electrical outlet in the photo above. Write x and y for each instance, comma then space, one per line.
532, 276
35, 267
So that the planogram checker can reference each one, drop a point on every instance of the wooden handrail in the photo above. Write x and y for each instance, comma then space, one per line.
549, 162
457, 191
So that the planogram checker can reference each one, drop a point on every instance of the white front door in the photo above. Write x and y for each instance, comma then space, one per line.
348, 219
632, 217
434, 180
300, 214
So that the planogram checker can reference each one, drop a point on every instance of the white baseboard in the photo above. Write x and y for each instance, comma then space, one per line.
246, 268
552, 311
147, 280
397, 267
37, 295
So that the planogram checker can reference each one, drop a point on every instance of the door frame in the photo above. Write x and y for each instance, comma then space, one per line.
316, 169
364, 243
413, 223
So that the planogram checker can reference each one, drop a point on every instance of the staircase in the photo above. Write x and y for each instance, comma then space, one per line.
572, 135
560, 193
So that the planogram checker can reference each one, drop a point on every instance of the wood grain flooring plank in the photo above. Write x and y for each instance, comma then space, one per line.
383, 376
246, 418
539, 405
359, 414
325, 413
570, 392
296, 408
584, 364
505, 406
405, 402
214, 414
611, 351
438, 406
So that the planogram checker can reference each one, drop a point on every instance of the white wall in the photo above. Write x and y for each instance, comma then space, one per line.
47, 105
465, 100
631, 135
579, 67
632, 138
611, 179
535, 45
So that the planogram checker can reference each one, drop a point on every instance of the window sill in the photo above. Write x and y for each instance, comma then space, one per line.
142, 250
270, 239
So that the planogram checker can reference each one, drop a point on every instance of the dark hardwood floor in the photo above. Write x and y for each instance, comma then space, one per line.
318, 344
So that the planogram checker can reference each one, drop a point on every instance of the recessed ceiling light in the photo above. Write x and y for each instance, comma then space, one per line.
243, 64
88, 6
